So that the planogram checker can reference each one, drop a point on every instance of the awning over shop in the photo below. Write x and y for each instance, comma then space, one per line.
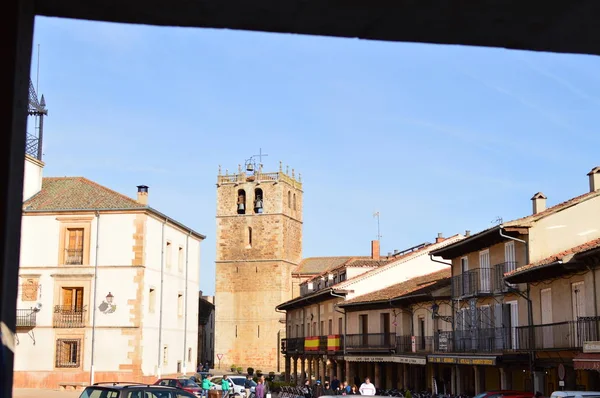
587, 361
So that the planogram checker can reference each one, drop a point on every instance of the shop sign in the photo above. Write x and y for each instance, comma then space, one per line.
443, 342
395, 359
591, 346
460, 360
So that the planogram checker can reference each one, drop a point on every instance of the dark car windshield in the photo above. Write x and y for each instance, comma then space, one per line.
187, 383
99, 392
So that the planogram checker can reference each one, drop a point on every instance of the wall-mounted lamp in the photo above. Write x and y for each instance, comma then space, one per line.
435, 315
109, 298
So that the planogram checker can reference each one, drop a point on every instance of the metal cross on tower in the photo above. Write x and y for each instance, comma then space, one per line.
260, 156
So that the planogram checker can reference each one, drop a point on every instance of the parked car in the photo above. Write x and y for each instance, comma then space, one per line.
575, 394
132, 390
181, 383
505, 393
239, 383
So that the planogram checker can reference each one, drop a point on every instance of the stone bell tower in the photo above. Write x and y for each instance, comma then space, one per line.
259, 243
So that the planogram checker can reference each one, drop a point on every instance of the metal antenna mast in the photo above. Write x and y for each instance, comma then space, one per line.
376, 215
33, 145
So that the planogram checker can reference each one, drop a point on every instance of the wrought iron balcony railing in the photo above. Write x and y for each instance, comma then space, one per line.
498, 277
477, 340
371, 342
313, 344
559, 335
26, 318
422, 344
473, 282
74, 257
66, 316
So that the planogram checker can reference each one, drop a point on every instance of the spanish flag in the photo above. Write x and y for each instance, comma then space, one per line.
311, 344
333, 342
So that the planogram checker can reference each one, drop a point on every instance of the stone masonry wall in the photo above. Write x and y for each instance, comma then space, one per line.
252, 278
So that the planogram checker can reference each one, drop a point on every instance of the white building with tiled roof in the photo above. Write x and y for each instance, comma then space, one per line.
316, 328
108, 286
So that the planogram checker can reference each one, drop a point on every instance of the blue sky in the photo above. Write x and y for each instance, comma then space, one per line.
435, 138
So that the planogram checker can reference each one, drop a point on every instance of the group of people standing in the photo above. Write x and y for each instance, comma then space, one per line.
337, 388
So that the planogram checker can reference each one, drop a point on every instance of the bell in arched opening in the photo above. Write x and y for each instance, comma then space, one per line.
258, 200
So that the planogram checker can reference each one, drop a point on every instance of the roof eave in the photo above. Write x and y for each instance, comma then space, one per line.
302, 301
553, 269
122, 209
474, 242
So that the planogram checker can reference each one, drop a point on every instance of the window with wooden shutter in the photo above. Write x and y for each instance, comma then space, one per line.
74, 247
68, 353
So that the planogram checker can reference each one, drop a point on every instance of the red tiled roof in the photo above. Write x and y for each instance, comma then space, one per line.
77, 193
404, 288
318, 265
593, 244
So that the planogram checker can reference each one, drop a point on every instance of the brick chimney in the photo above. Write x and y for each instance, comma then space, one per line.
440, 238
375, 249
142, 194
594, 179
539, 202
467, 233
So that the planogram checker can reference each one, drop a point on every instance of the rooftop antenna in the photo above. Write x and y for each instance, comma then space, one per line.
498, 220
37, 78
376, 215
37, 109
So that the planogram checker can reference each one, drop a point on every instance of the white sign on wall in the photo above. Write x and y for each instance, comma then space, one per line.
395, 359
591, 346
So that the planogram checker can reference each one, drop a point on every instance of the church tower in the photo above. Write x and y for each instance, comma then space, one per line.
259, 243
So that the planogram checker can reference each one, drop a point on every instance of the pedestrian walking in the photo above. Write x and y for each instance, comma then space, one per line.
367, 388
226, 386
206, 385
260, 389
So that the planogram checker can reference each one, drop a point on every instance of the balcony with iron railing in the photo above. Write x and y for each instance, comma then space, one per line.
498, 276
364, 342
66, 316
73, 256
422, 344
559, 335
26, 318
477, 340
314, 344
475, 282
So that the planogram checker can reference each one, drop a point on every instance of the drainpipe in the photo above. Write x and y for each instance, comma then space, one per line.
92, 370
453, 307
529, 308
345, 317
162, 282
185, 306
593, 271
